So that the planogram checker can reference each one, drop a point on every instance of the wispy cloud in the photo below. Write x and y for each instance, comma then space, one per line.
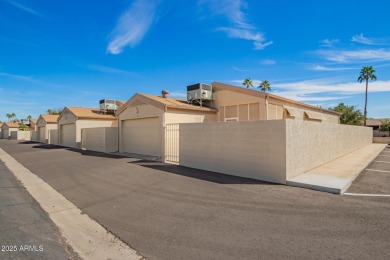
132, 25
329, 42
324, 68
111, 70
267, 62
360, 38
32, 80
322, 89
363, 55
240, 28
24, 8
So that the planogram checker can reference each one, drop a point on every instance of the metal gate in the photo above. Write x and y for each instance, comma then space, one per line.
172, 143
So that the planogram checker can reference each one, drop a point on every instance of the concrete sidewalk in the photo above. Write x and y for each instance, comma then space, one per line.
336, 176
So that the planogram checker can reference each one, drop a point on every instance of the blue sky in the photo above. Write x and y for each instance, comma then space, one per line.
73, 53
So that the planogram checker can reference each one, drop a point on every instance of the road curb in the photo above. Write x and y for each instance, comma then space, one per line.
87, 237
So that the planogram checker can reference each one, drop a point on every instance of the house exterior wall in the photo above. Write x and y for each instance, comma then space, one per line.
7, 131
310, 144
244, 107
100, 139
228, 103
328, 118
173, 116
246, 149
34, 136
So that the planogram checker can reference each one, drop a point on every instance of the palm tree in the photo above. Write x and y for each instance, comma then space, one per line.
248, 83
264, 85
9, 117
366, 73
29, 117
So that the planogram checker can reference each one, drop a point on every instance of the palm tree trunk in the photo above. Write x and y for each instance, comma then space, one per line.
365, 104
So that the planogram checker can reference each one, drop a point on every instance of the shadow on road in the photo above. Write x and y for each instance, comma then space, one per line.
199, 174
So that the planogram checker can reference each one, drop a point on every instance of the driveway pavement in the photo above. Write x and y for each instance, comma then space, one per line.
172, 212
26, 232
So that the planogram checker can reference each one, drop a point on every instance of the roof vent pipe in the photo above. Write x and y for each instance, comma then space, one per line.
165, 93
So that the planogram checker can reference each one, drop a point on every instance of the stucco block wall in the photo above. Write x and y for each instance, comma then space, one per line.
255, 149
48, 128
34, 136
381, 140
377, 133
21, 135
101, 139
311, 144
53, 136
181, 116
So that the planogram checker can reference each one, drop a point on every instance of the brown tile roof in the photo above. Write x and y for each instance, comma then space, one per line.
90, 113
375, 121
252, 92
50, 118
164, 103
34, 121
11, 124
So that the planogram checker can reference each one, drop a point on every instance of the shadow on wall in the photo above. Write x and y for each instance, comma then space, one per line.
199, 174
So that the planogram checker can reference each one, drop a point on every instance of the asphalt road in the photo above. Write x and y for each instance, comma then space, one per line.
26, 232
172, 212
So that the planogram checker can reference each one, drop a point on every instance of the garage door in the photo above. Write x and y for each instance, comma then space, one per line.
68, 135
41, 134
5, 134
142, 136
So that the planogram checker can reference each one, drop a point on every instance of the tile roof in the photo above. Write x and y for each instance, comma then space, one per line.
50, 118
375, 121
11, 124
164, 103
90, 113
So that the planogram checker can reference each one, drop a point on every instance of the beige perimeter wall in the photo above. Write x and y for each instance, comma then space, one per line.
267, 150
310, 144
101, 139
247, 149
381, 140
21, 135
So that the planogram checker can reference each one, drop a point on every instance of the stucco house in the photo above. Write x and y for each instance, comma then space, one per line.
241, 104
73, 119
7, 128
142, 120
33, 124
44, 124
375, 123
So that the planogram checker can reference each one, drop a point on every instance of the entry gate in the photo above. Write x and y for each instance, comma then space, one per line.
172, 143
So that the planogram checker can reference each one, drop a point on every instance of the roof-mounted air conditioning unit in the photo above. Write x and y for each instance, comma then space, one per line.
199, 91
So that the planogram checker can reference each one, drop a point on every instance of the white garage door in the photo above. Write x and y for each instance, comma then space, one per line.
142, 136
68, 135
41, 134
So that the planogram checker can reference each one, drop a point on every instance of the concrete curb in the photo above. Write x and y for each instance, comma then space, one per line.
87, 237
336, 176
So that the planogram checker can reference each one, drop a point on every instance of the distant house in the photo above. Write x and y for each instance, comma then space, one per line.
73, 119
7, 128
44, 124
33, 124
241, 104
144, 120
375, 123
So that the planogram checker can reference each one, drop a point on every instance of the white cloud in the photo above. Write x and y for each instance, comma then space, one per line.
329, 42
111, 70
370, 41
267, 62
322, 89
132, 25
25, 8
241, 28
363, 55
324, 68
